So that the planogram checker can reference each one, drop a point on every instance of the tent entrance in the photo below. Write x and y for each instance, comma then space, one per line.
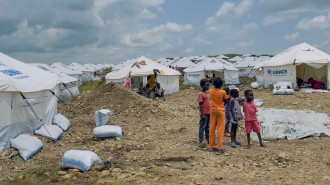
305, 72
216, 74
136, 82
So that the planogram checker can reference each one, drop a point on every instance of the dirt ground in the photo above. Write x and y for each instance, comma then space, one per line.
160, 145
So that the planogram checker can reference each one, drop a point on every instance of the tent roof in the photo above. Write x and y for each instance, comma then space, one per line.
64, 78
299, 54
64, 69
210, 64
79, 67
248, 62
183, 62
19, 76
142, 66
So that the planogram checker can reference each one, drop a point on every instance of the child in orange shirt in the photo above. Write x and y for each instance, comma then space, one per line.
218, 100
251, 120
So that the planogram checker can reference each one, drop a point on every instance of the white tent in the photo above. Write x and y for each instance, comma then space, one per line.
182, 64
61, 68
302, 60
210, 66
87, 74
246, 65
25, 98
143, 67
68, 86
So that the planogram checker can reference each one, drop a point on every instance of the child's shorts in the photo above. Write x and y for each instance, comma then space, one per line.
252, 125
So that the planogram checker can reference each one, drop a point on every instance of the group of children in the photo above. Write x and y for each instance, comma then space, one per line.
220, 108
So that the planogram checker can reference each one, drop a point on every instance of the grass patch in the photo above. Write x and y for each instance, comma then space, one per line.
247, 81
91, 85
232, 55
183, 87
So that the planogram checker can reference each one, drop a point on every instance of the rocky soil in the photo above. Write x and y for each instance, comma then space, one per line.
160, 145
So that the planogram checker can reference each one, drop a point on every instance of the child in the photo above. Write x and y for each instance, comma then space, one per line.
204, 112
218, 99
251, 121
235, 115
227, 112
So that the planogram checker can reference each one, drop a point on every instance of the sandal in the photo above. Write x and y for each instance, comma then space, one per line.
223, 151
233, 145
238, 143
213, 150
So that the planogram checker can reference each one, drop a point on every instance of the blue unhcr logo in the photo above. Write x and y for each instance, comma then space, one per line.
242, 70
11, 72
193, 75
283, 72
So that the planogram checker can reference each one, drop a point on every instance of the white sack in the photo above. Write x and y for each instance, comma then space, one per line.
258, 102
283, 92
255, 85
80, 159
26, 145
50, 131
102, 116
108, 131
61, 121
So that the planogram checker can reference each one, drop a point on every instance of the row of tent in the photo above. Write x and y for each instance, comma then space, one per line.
29, 94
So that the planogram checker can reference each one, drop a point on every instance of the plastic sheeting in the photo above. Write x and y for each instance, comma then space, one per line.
291, 124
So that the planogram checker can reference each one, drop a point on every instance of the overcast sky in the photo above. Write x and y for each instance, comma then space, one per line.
112, 31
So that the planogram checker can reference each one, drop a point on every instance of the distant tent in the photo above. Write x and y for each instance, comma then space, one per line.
68, 86
302, 60
143, 67
25, 98
182, 64
61, 68
87, 73
210, 66
246, 66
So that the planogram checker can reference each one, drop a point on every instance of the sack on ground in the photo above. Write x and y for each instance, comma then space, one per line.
80, 159
61, 121
108, 131
50, 131
26, 145
283, 88
255, 85
102, 116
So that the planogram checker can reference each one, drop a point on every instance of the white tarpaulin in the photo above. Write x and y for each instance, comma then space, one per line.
291, 124
19, 115
142, 67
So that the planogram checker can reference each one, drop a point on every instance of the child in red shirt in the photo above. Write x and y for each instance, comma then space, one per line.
204, 112
251, 120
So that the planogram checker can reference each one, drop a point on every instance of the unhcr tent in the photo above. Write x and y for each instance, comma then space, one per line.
143, 67
210, 66
245, 67
68, 86
302, 60
61, 68
25, 98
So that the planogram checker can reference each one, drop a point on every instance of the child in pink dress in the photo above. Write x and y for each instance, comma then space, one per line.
251, 120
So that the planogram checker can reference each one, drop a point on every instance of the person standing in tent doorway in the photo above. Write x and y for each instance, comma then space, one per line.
218, 116
151, 81
204, 112
251, 121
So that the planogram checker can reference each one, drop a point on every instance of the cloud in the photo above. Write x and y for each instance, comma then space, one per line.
246, 44
317, 23
229, 11
156, 35
295, 6
291, 36
189, 50
270, 20
146, 14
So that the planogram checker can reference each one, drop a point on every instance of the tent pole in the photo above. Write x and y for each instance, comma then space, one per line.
35, 114
68, 89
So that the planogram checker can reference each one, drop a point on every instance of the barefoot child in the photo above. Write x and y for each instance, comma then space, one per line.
218, 100
235, 116
251, 121
204, 112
